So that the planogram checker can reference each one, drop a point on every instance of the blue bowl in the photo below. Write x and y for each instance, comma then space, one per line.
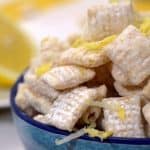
37, 136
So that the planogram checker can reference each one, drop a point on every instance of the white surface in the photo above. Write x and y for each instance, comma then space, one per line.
9, 139
4, 103
4, 100
58, 23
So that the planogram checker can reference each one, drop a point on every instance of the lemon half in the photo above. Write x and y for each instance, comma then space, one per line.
16, 50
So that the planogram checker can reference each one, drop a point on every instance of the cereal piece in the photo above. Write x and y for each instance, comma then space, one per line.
88, 54
64, 77
70, 106
130, 51
39, 86
53, 44
83, 57
93, 113
128, 90
35, 63
41, 118
119, 75
51, 48
123, 116
21, 100
146, 112
104, 20
29, 76
42, 88
146, 90
26, 98
39, 103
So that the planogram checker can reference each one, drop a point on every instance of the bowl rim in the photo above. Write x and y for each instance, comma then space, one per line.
23, 116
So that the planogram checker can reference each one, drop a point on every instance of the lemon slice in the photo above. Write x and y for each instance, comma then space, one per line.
7, 77
15, 52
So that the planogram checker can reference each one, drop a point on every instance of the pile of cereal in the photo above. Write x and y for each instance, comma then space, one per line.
97, 82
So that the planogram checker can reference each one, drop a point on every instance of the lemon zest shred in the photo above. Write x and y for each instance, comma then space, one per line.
43, 69
97, 133
89, 130
78, 42
100, 44
121, 113
145, 27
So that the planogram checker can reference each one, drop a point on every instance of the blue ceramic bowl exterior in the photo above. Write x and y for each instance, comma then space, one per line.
37, 136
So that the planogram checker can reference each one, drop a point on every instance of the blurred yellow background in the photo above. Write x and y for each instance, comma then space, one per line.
17, 9
141, 5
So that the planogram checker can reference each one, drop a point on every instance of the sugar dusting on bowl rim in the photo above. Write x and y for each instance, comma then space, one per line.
23, 116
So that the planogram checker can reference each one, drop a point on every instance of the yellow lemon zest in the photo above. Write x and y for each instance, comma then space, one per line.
100, 44
43, 69
121, 113
78, 42
90, 131
145, 27
96, 133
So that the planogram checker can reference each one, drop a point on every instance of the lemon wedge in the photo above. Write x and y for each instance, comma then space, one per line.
15, 52
7, 77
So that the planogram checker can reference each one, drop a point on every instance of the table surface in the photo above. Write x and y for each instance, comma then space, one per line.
9, 139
